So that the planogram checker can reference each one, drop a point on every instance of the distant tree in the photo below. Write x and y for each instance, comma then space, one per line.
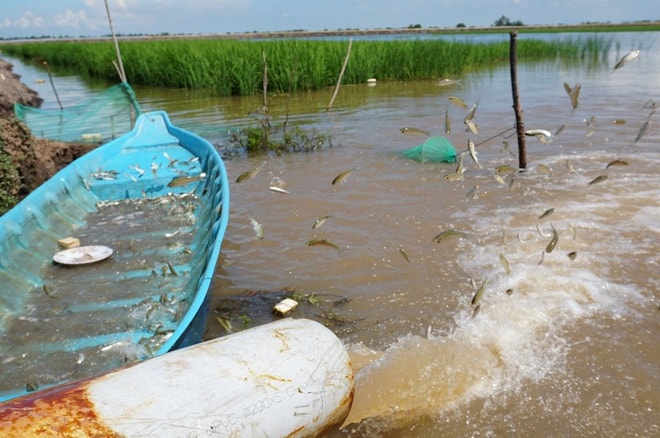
460, 25
414, 26
504, 21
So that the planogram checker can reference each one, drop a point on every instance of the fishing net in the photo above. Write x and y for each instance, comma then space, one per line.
434, 150
106, 115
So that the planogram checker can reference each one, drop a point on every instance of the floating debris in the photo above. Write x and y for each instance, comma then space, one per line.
285, 307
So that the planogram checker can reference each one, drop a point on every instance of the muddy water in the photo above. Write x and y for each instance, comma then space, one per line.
561, 344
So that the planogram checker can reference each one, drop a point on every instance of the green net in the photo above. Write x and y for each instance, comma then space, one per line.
435, 150
106, 115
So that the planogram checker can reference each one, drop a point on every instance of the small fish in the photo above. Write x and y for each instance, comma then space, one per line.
171, 268
256, 226
249, 173
560, 130
454, 177
48, 292
154, 169
183, 180
505, 264
342, 176
617, 162
459, 164
547, 213
410, 130
470, 114
537, 132
542, 168
573, 93
499, 179
619, 121
138, 169
476, 311
445, 82
472, 127
323, 242
599, 178
447, 233
642, 130
447, 123
278, 190
320, 221
473, 153
404, 255
172, 161
553, 242
470, 194
626, 59
458, 101
480, 292
225, 323
541, 233
569, 166
505, 169
104, 175
506, 147
649, 104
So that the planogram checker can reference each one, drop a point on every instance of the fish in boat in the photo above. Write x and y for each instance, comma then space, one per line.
134, 282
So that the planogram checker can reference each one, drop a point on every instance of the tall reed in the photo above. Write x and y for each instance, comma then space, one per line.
234, 67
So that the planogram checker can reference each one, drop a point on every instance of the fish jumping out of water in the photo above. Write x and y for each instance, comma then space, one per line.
626, 59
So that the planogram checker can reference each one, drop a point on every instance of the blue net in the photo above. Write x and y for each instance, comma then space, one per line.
104, 116
434, 150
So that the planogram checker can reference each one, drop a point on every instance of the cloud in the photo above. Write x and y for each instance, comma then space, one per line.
71, 18
28, 20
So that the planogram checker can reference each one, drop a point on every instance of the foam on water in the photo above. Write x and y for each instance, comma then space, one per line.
524, 335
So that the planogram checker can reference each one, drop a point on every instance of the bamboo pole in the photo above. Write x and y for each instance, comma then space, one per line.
122, 73
520, 126
52, 84
341, 73
264, 107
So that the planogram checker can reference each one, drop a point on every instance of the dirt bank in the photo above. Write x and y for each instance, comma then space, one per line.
25, 161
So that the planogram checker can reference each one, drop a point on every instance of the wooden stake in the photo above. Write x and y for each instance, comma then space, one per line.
122, 73
52, 84
264, 107
341, 74
520, 126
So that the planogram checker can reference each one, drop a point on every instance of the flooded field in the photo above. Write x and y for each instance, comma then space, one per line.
564, 340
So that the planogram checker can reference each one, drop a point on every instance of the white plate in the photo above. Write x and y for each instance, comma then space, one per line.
82, 255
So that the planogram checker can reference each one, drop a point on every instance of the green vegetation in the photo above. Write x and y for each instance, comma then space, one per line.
234, 67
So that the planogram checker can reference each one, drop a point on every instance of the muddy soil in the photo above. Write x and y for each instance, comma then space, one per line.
31, 160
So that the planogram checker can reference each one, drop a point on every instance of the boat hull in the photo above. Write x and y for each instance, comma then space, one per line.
158, 197
288, 378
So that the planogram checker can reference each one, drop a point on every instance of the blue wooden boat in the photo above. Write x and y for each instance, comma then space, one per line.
149, 210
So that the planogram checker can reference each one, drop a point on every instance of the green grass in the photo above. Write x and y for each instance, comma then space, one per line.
227, 67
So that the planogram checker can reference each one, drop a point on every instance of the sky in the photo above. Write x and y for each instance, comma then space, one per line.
25, 18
